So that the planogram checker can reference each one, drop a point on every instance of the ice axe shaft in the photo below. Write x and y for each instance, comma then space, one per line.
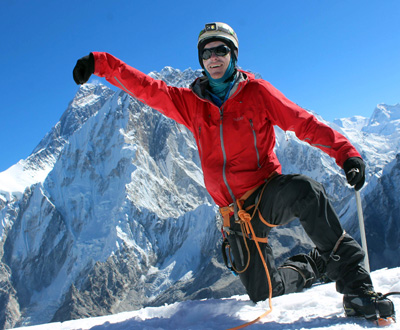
362, 230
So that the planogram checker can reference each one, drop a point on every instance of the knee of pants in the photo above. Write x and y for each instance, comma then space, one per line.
305, 197
308, 185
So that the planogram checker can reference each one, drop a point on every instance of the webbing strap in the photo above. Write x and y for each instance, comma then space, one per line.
226, 214
333, 255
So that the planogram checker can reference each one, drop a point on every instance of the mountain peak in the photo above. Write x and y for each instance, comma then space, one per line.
176, 77
384, 113
385, 120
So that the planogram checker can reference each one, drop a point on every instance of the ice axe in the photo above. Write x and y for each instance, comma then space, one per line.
362, 229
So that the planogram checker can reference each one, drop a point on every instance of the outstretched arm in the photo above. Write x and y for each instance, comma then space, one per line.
289, 116
171, 101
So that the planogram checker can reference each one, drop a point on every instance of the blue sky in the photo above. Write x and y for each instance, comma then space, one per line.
338, 58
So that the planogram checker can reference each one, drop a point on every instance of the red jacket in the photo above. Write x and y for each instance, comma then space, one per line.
236, 141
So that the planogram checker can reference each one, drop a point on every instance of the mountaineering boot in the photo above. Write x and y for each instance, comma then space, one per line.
371, 305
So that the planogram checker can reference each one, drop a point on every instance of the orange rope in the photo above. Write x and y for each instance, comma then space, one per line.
246, 220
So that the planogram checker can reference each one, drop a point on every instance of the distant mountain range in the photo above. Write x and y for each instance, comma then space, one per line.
109, 213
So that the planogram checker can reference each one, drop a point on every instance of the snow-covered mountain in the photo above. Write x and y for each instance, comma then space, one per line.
110, 213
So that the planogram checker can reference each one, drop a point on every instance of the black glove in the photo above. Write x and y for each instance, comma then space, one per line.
354, 168
83, 69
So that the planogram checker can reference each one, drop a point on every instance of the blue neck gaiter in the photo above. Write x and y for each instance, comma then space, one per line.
221, 86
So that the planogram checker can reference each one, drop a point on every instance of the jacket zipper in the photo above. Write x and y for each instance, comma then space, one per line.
200, 147
221, 136
255, 142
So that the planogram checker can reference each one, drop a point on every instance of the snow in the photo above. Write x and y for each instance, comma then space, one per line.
317, 308
15, 179
18, 177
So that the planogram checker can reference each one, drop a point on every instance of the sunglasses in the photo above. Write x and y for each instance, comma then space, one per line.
221, 50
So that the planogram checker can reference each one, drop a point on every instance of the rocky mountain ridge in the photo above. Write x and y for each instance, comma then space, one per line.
112, 214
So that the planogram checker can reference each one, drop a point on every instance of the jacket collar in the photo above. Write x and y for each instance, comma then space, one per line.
200, 85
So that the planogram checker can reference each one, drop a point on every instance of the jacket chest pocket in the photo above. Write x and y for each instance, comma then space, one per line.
242, 131
206, 132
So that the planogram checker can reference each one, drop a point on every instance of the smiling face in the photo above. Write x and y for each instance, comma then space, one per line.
216, 65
